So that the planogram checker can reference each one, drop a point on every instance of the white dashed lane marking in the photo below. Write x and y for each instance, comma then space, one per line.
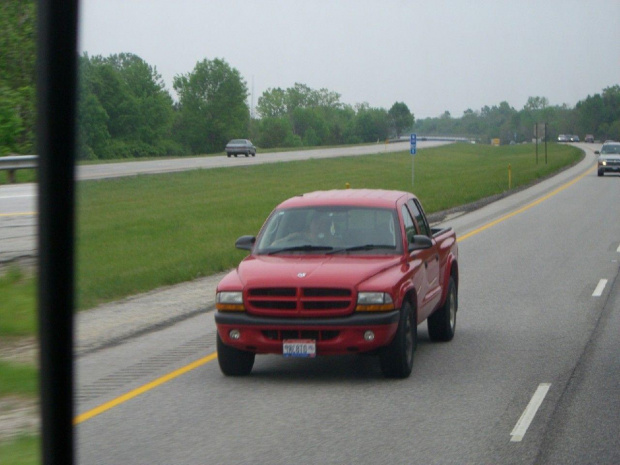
600, 288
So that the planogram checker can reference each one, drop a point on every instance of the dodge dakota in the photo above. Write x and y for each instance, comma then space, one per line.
339, 272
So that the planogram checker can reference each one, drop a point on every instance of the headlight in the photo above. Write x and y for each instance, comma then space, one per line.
374, 302
229, 302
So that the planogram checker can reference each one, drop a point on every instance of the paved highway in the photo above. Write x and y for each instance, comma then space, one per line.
111, 170
18, 222
532, 376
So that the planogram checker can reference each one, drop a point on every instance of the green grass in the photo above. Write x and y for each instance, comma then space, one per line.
138, 233
18, 379
17, 312
135, 234
24, 450
21, 176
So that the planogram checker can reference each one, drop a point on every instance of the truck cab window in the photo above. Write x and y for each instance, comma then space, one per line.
410, 230
419, 217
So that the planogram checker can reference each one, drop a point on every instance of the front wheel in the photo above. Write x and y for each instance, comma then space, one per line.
234, 362
442, 323
600, 173
397, 358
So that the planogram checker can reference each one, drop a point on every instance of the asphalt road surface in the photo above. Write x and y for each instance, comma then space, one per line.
18, 222
110, 170
532, 376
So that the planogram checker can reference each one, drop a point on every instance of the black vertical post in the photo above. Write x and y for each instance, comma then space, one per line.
56, 103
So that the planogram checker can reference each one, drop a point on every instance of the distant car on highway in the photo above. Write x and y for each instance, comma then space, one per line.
574, 138
563, 138
240, 147
589, 138
609, 158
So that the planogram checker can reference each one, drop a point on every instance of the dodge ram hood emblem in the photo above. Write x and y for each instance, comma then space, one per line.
301, 275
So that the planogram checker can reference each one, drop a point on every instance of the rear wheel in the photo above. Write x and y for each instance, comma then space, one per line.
234, 362
397, 358
442, 323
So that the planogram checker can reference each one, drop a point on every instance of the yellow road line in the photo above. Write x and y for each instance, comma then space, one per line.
526, 207
18, 214
142, 389
198, 363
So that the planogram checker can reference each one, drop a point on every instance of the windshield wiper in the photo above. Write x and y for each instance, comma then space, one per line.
362, 247
301, 248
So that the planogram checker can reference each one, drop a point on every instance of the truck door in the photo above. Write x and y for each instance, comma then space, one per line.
431, 260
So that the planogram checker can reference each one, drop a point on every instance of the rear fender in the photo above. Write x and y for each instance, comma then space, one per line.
451, 270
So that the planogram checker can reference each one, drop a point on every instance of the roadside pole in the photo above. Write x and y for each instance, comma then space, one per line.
413, 142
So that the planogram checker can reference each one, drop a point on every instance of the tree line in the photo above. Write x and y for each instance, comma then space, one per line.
598, 115
125, 110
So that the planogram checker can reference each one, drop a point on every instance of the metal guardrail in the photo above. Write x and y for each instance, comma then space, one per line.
12, 163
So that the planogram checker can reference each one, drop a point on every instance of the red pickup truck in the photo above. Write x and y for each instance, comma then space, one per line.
339, 272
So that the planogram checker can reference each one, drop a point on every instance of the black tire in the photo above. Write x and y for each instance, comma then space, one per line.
397, 358
235, 155
442, 323
247, 154
234, 362
600, 173
228, 155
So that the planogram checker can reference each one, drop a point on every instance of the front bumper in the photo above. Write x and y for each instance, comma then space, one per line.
333, 336
609, 166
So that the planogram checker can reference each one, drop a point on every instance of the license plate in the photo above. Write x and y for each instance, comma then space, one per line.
299, 348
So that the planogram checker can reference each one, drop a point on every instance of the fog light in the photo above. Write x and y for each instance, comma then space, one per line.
234, 334
369, 336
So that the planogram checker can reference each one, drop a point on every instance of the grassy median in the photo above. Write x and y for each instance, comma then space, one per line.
135, 234
138, 233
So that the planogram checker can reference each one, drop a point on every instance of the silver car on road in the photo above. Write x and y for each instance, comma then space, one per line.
609, 158
240, 147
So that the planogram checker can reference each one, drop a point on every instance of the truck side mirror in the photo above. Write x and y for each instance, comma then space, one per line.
420, 242
245, 242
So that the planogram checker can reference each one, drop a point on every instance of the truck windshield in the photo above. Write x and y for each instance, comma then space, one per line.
321, 230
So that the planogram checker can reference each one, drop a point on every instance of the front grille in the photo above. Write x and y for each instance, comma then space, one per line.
302, 302
276, 335
274, 291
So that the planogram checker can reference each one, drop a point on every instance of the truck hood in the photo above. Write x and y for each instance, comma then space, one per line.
320, 271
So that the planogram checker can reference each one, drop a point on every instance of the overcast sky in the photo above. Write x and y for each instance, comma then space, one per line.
433, 55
